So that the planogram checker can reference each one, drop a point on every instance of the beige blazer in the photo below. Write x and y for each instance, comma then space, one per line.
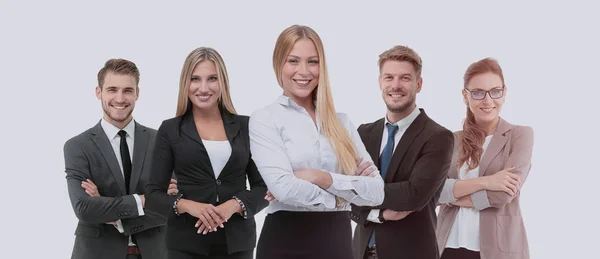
502, 232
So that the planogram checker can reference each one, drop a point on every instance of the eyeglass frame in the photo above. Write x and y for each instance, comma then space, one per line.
486, 93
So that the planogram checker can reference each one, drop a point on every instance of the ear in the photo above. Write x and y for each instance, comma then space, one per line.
380, 81
137, 93
98, 92
465, 97
419, 84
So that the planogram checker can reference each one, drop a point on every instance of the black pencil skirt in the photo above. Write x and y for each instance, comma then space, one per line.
305, 235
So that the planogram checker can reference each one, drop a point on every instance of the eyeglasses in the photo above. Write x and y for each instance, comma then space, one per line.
480, 94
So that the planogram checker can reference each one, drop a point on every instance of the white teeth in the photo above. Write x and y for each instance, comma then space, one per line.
396, 95
302, 82
119, 107
204, 97
487, 109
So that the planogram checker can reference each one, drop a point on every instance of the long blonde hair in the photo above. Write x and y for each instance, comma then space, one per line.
329, 122
194, 58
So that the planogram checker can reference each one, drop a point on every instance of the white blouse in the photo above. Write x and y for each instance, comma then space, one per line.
465, 229
218, 153
284, 138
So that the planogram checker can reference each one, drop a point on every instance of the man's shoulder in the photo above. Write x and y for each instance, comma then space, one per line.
370, 125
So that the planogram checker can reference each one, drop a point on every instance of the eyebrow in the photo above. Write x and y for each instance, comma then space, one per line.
201, 77
393, 74
479, 89
293, 56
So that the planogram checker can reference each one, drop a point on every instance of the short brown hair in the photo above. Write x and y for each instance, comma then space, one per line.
402, 53
118, 66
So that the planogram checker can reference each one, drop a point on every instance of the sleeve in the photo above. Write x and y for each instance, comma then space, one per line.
520, 158
157, 199
429, 173
269, 154
97, 209
358, 190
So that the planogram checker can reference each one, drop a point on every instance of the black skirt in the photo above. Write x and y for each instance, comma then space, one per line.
305, 235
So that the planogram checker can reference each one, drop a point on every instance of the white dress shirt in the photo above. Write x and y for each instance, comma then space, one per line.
402, 126
284, 138
112, 133
218, 153
465, 229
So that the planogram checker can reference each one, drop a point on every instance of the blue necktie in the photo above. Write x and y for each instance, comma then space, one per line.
384, 160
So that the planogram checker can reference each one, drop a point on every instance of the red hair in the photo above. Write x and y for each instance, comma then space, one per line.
473, 136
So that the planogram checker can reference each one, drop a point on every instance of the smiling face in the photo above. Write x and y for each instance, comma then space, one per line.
484, 94
300, 72
118, 95
399, 84
204, 90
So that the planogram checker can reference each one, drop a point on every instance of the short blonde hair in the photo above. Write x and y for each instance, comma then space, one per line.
402, 53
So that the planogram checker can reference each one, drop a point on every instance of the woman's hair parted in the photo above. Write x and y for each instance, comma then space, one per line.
332, 128
473, 136
194, 58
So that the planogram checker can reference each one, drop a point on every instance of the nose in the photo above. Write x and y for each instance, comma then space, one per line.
120, 98
303, 69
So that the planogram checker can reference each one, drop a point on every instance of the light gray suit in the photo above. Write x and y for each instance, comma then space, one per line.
89, 155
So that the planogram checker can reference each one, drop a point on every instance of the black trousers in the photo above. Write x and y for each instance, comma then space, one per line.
460, 253
305, 235
217, 251
183, 255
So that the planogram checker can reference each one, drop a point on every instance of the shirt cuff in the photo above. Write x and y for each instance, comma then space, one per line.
480, 200
447, 195
342, 186
374, 216
120, 227
138, 201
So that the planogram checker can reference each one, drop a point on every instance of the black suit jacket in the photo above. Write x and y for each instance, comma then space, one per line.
90, 155
413, 183
179, 149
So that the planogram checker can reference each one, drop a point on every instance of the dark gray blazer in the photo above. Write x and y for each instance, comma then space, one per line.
89, 155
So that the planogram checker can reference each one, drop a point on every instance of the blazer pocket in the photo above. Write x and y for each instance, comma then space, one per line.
87, 231
510, 234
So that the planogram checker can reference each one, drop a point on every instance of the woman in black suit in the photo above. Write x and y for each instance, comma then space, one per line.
207, 147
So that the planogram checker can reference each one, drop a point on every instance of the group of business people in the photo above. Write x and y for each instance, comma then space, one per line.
180, 191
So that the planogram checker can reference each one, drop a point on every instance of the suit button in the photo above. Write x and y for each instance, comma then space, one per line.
218, 182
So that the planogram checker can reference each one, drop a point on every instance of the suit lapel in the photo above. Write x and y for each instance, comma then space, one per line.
496, 144
374, 144
140, 146
103, 144
232, 129
405, 141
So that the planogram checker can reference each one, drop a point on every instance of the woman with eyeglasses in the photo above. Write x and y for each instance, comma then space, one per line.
480, 215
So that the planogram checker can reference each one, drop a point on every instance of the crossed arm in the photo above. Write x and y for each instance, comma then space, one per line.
100, 209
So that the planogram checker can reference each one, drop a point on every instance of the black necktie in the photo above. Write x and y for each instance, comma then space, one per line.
125, 159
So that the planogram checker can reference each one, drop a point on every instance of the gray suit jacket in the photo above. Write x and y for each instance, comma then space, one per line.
89, 155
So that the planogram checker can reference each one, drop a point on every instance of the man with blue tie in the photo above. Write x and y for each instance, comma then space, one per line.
413, 154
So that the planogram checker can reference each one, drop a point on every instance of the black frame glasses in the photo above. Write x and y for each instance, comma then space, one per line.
495, 93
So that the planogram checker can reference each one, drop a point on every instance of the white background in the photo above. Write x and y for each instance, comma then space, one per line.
51, 51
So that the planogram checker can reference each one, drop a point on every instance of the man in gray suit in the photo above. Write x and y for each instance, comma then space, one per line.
107, 167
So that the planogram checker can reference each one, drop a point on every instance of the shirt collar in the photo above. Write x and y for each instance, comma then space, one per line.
112, 131
287, 101
406, 121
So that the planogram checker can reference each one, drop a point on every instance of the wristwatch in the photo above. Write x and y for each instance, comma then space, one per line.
380, 217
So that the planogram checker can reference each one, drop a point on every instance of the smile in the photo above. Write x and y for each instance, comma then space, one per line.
303, 82
488, 110
119, 107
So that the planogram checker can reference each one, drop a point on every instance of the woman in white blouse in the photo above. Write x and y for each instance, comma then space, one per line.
311, 158
480, 215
